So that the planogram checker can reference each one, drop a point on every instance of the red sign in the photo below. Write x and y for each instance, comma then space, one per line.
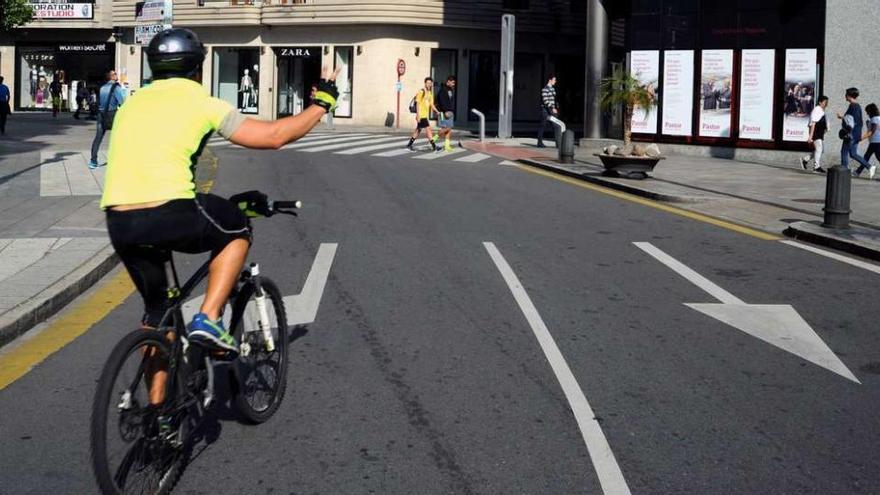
401, 67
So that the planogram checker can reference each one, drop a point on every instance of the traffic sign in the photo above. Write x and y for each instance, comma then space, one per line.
398, 86
401, 67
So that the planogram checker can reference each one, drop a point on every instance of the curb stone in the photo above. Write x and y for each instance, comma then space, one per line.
55, 297
841, 240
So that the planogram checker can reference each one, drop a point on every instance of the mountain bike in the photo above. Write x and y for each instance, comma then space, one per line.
154, 440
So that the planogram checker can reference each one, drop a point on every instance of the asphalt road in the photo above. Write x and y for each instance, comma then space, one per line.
423, 374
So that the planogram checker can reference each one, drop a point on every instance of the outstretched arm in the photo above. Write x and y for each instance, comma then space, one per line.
273, 134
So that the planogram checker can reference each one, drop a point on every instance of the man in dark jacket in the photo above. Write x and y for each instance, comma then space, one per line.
548, 109
445, 102
852, 131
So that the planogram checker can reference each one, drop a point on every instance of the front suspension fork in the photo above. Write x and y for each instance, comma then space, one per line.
263, 322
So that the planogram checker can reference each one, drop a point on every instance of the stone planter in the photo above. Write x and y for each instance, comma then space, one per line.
631, 167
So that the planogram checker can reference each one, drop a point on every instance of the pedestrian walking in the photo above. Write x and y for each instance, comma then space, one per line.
873, 136
424, 105
55, 92
82, 98
446, 106
851, 132
4, 106
818, 127
110, 96
549, 109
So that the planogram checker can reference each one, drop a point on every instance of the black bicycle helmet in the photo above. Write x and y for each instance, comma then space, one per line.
175, 52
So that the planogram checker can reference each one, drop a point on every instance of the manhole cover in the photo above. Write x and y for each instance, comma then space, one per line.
809, 200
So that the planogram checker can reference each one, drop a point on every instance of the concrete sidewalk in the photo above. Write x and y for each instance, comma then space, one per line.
53, 243
773, 198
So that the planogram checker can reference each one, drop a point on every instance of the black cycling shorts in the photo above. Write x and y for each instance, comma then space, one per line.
423, 123
144, 239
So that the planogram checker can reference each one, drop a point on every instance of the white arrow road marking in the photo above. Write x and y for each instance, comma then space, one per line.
777, 324
301, 308
610, 476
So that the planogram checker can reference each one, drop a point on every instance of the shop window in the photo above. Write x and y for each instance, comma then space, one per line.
236, 76
37, 66
528, 83
444, 63
343, 60
146, 73
483, 83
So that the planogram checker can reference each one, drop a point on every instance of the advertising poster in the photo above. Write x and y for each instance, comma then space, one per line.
716, 88
799, 93
756, 94
678, 92
645, 66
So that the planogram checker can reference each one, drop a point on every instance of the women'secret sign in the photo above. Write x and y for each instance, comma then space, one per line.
799, 93
678, 92
756, 94
645, 66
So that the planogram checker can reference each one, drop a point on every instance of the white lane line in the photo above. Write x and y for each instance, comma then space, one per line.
375, 147
835, 256
402, 151
508, 163
367, 140
323, 137
692, 276
350, 137
439, 154
610, 476
476, 157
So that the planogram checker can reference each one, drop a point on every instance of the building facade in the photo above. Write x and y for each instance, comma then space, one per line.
263, 57
738, 74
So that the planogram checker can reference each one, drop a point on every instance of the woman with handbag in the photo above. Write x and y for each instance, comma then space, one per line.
110, 97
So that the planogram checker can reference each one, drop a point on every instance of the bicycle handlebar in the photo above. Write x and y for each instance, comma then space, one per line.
275, 205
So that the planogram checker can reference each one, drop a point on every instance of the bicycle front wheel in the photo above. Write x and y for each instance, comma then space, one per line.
260, 373
136, 447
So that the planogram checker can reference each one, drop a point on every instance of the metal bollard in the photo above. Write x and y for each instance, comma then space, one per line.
566, 149
837, 193
482, 118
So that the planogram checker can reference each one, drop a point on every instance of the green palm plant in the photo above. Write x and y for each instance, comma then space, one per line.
623, 88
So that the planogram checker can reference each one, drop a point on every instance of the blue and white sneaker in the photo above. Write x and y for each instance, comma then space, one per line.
93, 164
210, 333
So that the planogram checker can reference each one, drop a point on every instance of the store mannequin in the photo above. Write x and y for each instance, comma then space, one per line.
247, 88
35, 79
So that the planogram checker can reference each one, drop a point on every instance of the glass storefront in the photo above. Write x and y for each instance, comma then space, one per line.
72, 64
236, 76
344, 61
299, 68
483, 83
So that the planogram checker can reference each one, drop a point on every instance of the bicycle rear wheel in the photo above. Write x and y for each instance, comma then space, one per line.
131, 452
260, 375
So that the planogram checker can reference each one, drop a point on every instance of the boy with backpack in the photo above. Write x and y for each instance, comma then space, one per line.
422, 105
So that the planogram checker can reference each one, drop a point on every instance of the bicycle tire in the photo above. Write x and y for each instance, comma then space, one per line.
241, 389
104, 397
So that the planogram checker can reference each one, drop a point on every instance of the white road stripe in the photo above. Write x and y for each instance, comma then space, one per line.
610, 476
310, 138
435, 155
303, 307
508, 163
374, 147
692, 276
350, 137
835, 256
338, 146
402, 151
476, 157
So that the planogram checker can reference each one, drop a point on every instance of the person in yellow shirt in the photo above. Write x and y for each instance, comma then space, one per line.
150, 198
424, 106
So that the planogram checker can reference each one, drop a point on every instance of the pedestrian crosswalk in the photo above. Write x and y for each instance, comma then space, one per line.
382, 145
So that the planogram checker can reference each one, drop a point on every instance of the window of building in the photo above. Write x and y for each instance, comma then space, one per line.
236, 76
343, 60
444, 63
36, 71
516, 4
485, 68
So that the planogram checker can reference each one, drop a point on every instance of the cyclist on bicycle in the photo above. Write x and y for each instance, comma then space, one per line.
149, 195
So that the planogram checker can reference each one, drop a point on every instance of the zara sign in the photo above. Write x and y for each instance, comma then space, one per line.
299, 51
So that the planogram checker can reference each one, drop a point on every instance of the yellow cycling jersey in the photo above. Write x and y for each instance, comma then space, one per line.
424, 101
157, 136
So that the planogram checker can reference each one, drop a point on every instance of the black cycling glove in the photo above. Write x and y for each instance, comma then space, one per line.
326, 95
252, 203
